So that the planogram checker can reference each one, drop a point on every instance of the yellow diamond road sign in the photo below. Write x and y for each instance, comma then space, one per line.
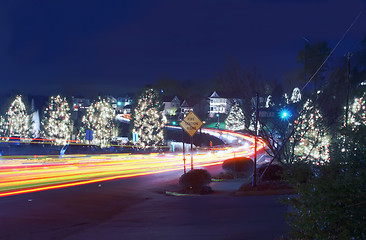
191, 123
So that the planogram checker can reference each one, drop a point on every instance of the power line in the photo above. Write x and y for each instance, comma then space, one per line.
293, 130
330, 54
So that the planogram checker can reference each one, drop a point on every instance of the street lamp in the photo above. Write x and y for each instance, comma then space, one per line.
285, 114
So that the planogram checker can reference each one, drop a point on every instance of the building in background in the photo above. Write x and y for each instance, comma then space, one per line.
79, 104
185, 108
124, 105
171, 105
219, 104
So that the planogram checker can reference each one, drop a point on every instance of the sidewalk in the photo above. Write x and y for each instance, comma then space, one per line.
231, 185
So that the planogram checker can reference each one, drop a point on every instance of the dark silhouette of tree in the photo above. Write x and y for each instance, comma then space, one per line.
312, 57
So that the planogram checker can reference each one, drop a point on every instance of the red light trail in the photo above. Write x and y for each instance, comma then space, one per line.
27, 174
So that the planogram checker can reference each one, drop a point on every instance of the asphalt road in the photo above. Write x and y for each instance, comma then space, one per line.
25, 174
137, 208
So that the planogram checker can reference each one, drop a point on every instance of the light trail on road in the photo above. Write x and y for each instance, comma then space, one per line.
28, 174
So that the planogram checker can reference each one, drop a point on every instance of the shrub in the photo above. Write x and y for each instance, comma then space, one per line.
240, 165
197, 178
330, 202
298, 173
273, 173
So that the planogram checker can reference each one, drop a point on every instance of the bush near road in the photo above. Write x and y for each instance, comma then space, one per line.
196, 181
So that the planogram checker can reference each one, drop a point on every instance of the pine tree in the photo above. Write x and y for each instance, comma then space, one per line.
148, 120
235, 121
252, 123
100, 120
269, 101
296, 95
311, 140
357, 113
3, 127
56, 121
17, 119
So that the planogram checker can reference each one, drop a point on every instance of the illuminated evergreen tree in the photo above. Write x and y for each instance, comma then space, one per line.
56, 121
357, 113
252, 124
99, 119
269, 102
148, 120
235, 121
17, 119
3, 127
296, 95
311, 140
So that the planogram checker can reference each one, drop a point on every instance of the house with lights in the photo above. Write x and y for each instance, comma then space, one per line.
112, 100
219, 104
171, 105
185, 108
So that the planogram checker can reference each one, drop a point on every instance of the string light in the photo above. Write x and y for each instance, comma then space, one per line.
56, 121
148, 120
357, 113
100, 120
296, 95
311, 138
235, 121
17, 121
3, 126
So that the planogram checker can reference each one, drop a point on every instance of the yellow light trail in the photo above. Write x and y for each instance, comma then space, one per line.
30, 174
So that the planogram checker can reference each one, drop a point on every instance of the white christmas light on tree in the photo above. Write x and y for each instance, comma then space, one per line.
17, 119
3, 127
148, 120
99, 119
269, 102
287, 100
235, 121
56, 121
296, 95
252, 123
311, 139
357, 113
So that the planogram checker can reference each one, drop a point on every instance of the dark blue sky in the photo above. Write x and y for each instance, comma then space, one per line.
115, 46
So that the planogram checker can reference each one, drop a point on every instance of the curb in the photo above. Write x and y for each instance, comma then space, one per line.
265, 192
176, 194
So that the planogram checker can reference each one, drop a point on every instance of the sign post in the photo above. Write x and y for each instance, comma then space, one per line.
191, 123
184, 152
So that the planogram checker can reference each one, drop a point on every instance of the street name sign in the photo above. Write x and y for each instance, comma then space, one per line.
266, 113
191, 123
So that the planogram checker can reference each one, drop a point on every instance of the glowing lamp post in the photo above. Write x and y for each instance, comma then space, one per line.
285, 114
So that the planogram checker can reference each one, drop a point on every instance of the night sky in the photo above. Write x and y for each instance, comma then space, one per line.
91, 47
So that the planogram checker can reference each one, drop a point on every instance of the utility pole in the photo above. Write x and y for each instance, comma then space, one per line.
254, 180
349, 55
